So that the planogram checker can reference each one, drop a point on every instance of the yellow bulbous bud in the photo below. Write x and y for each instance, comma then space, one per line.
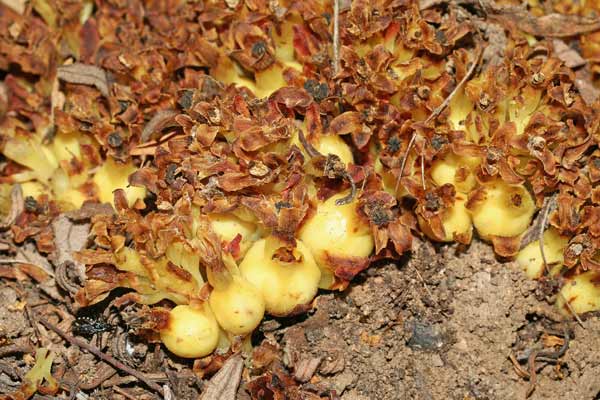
328, 144
457, 170
284, 285
239, 307
269, 80
33, 189
336, 231
228, 226
500, 209
530, 257
456, 220
582, 293
389, 180
191, 332
333, 144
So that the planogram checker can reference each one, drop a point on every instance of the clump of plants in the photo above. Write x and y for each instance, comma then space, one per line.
248, 167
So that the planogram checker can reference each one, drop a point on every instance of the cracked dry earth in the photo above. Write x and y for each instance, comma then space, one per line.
440, 325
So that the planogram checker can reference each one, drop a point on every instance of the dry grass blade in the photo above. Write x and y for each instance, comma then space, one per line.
404, 159
310, 149
423, 171
438, 110
533, 232
11, 261
549, 205
336, 36
224, 385
95, 351
85, 75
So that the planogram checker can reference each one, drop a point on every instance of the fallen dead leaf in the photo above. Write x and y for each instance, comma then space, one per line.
224, 385
30, 264
568, 55
550, 25
16, 207
587, 90
88, 210
30, 254
69, 237
85, 75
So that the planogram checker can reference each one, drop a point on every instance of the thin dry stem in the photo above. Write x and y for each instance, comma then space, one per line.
547, 208
12, 261
423, 282
403, 163
15, 348
423, 171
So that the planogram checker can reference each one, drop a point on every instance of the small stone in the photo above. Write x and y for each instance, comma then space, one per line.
425, 337
437, 361
343, 381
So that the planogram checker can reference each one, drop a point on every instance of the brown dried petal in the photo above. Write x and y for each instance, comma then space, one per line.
345, 123
506, 246
400, 236
292, 97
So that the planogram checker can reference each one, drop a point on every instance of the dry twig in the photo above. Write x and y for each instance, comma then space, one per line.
15, 348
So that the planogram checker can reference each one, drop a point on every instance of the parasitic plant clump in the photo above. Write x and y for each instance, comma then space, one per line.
243, 166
